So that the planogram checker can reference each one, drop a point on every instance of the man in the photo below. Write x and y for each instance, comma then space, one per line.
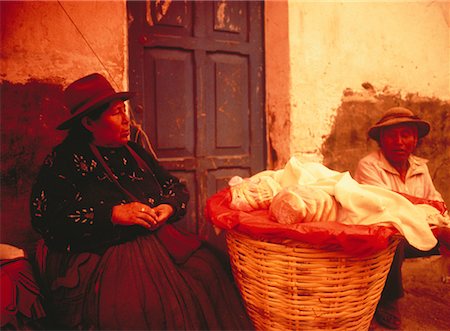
394, 167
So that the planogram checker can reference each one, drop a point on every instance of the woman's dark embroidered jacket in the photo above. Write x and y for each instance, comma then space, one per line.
72, 199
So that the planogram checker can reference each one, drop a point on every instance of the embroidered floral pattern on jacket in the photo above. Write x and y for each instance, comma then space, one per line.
167, 188
83, 216
40, 204
134, 177
78, 197
84, 166
103, 177
70, 211
168, 183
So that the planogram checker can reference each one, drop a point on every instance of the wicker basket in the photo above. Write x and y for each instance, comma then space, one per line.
294, 286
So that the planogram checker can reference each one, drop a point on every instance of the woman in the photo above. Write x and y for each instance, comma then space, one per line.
103, 206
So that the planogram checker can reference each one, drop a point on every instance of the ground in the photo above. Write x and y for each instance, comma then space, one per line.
426, 304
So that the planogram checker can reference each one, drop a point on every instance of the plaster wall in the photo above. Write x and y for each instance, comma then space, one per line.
348, 62
277, 80
334, 46
45, 45
62, 41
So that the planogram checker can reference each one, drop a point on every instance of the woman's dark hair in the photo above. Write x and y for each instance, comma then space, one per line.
78, 133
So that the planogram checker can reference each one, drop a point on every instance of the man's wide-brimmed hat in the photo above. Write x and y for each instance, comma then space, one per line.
87, 94
398, 115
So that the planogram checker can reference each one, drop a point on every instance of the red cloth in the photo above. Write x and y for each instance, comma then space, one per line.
439, 205
21, 298
179, 244
357, 239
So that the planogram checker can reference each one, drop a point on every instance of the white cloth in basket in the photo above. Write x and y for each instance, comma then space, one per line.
357, 203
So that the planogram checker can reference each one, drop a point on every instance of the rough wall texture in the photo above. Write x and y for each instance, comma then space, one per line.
30, 112
44, 46
348, 141
396, 46
339, 44
278, 98
63, 40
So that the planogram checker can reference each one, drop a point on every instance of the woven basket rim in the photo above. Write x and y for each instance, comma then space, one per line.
297, 243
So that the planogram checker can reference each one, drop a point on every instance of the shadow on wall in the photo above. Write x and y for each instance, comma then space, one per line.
348, 140
29, 114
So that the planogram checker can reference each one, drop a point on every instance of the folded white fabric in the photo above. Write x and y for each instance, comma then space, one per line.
303, 203
368, 204
252, 193
356, 203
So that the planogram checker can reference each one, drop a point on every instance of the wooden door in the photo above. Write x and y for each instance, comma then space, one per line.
197, 68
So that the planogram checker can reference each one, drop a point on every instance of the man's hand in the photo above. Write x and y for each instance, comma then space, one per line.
439, 205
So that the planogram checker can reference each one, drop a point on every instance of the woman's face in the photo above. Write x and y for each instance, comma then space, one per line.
112, 128
398, 142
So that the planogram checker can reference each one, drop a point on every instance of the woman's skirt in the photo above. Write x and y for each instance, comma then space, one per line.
136, 285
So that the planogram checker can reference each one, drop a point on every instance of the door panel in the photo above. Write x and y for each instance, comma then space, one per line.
165, 17
169, 95
229, 105
197, 68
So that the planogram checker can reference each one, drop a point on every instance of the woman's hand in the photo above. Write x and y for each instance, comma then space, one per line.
163, 212
135, 213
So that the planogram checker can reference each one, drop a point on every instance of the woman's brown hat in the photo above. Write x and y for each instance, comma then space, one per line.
87, 94
399, 115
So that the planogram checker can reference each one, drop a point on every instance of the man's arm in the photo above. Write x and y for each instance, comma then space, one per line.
439, 205
368, 173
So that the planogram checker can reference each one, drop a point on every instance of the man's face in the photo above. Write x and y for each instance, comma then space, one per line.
398, 142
